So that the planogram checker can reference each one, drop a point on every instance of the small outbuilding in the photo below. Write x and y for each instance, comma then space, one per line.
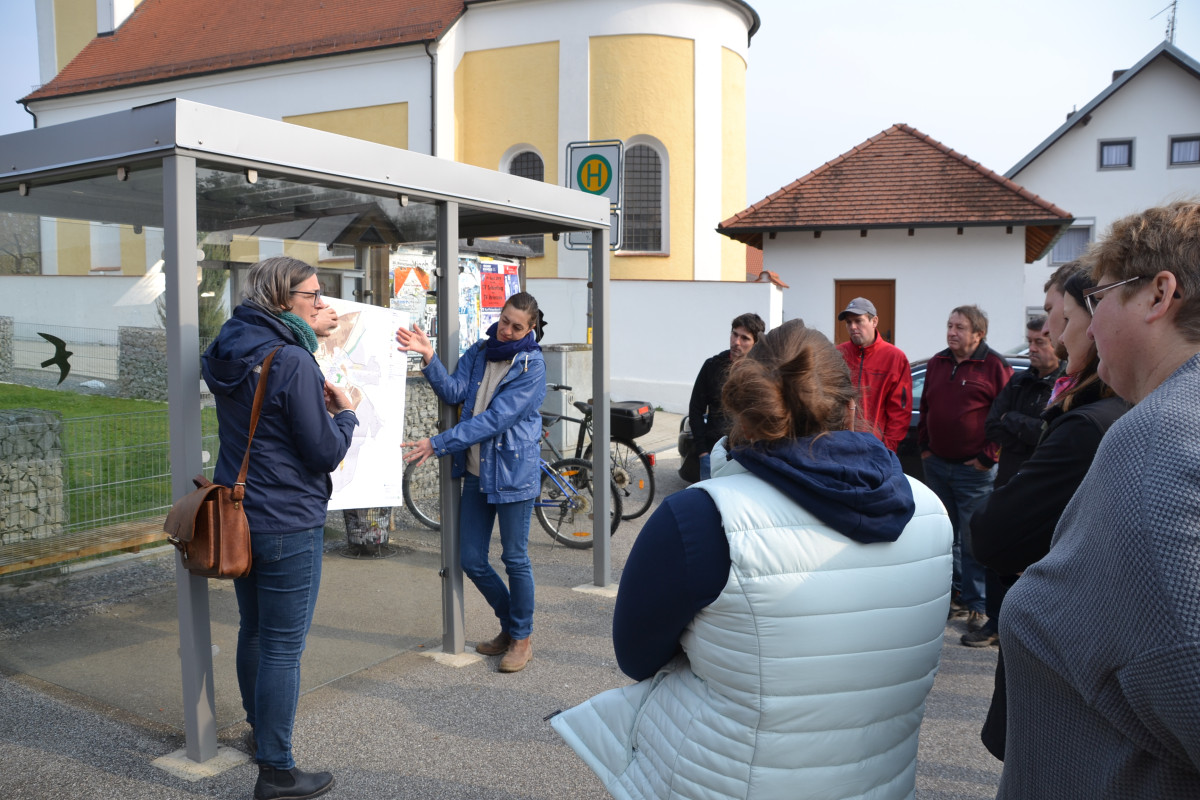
911, 224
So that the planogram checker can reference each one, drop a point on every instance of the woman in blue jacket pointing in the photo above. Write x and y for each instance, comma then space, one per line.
501, 383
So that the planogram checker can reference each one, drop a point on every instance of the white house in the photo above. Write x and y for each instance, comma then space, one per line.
1133, 146
910, 224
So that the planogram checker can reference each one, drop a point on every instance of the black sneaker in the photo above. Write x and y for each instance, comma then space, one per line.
957, 610
976, 621
980, 638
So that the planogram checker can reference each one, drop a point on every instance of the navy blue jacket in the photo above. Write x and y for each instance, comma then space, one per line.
296, 444
508, 432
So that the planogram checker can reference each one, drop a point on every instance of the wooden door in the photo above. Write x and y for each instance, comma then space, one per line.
881, 293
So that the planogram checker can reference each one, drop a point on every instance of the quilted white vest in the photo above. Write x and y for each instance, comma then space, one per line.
806, 678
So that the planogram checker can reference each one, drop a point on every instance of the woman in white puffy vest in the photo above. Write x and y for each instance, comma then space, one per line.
784, 618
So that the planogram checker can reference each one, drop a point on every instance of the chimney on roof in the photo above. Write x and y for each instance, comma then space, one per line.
111, 13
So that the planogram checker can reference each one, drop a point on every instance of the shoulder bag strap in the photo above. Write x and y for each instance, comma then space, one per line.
239, 488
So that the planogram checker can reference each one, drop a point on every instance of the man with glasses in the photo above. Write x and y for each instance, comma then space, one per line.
1111, 707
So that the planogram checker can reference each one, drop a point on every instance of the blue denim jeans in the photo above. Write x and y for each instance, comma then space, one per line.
962, 489
276, 602
706, 466
513, 603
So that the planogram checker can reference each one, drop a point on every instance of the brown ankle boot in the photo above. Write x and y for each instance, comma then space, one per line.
520, 653
494, 647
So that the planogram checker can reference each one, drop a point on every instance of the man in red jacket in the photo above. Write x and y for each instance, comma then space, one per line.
960, 463
880, 371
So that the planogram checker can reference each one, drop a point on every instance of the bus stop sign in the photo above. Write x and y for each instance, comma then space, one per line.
596, 167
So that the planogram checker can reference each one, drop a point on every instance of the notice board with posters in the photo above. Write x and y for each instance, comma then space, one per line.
484, 284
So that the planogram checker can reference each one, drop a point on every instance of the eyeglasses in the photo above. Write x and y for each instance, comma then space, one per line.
1092, 297
316, 296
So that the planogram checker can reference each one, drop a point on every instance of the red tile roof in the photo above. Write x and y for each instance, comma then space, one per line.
754, 262
167, 39
900, 178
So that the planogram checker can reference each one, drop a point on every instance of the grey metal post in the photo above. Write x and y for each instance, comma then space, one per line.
453, 619
183, 381
598, 269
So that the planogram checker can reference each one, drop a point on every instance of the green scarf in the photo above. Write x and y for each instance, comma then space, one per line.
304, 332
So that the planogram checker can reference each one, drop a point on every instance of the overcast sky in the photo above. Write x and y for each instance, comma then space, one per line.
989, 78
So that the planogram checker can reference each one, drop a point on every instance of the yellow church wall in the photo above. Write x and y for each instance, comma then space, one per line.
74, 27
733, 159
644, 85
133, 252
308, 252
244, 249
383, 124
505, 97
74, 241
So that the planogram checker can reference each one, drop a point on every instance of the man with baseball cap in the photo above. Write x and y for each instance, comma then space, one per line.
880, 371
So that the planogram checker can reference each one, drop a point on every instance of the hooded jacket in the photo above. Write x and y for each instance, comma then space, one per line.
806, 674
508, 431
296, 444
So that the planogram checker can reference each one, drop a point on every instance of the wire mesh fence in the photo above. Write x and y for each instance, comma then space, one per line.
85, 485
117, 466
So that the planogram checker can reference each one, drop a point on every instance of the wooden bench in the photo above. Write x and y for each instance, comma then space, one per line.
129, 535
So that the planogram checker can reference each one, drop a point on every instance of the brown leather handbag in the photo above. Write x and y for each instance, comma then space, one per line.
208, 526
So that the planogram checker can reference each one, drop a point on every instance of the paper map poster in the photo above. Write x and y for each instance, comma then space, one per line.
360, 357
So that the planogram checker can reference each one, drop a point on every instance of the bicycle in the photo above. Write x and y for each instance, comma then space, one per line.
564, 506
632, 467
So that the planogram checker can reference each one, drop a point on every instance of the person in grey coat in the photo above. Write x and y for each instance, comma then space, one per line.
1101, 637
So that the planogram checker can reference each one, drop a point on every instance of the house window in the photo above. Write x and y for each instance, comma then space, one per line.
643, 223
1070, 246
1116, 154
1185, 150
528, 164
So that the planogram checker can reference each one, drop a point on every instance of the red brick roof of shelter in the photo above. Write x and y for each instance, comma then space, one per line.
899, 178
168, 39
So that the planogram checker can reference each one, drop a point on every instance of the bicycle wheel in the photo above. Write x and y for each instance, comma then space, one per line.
565, 507
633, 473
423, 493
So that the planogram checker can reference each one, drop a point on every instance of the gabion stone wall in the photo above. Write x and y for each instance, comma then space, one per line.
32, 502
420, 419
142, 365
6, 349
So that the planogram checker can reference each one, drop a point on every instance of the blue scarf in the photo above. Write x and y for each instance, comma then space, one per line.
305, 335
505, 351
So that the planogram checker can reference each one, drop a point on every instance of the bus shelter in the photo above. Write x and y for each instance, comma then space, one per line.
178, 173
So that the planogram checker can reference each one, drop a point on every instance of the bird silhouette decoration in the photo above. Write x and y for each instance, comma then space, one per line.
61, 354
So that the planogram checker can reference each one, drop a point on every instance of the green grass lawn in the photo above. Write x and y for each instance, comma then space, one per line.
115, 452
71, 405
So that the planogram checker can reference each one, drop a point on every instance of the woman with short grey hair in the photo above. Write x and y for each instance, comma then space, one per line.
303, 432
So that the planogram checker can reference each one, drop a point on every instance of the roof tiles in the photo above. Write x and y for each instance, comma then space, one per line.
166, 39
898, 178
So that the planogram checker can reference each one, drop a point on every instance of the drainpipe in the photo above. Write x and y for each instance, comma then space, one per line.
432, 99
30, 113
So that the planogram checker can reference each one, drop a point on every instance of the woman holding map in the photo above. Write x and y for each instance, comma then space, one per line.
303, 431
500, 382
